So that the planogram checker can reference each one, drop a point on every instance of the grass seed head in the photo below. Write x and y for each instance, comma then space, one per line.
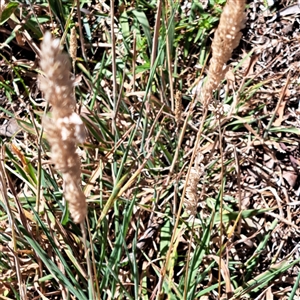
73, 44
65, 129
226, 39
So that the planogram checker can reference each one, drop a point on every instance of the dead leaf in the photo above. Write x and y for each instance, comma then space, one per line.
10, 128
290, 177
268, 161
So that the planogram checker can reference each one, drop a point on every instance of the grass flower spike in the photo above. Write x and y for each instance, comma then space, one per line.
65, 129
227, 38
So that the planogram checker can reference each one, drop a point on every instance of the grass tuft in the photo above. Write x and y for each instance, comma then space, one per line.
184, 201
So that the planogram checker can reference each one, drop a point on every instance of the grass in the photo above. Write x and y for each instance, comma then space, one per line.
141, 242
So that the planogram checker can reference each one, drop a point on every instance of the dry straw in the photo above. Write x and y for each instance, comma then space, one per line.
227, 37
65, 129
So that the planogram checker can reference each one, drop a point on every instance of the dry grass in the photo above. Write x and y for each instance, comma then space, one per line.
146, 138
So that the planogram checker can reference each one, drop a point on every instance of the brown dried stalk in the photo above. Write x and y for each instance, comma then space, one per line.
65, 129
227, 37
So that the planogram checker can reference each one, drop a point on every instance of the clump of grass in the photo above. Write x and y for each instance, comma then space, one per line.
140, 243
65, 129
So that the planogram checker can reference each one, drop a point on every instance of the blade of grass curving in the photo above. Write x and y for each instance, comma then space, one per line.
91, 287
48, 181
26, 165
208, 290
141, 17
232, 216
57, 7
285, 129
134, 268
120, 187
85, 71
292, 295
170, 28
196, 260
114, 275
9, 91
263, 279
8, 11
19, 172
36, 21
74, 287
173, 260
252, 261
19, 77
131, 256
112, 198
147, 95
58, 253
165, 234
12, 222
125, 28
166, 283
110, 279
16, 293
97, 74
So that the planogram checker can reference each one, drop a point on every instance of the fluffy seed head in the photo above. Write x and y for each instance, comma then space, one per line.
65, 129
